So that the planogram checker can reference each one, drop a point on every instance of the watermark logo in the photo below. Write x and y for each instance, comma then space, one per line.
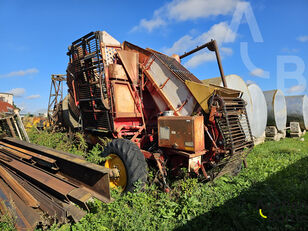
261, 214
244, 12
283, 213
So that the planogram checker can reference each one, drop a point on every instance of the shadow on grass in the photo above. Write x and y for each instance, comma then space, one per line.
283, 198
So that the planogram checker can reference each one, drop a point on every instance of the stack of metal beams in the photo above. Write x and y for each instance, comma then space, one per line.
40, 186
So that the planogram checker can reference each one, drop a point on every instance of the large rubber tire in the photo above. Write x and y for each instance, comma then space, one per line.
133, 159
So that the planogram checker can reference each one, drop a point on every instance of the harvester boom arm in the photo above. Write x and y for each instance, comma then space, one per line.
212, 46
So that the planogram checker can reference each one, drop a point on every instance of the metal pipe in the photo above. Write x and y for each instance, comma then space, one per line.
198, 48
212, 46
222, 75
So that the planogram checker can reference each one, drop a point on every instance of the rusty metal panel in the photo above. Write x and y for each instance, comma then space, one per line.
166, 81
130, 62
181, 132
124, 101
116, 71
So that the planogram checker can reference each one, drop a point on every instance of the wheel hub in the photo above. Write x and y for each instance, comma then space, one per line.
115, 163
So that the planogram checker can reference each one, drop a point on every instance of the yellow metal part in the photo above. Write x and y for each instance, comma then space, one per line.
114, 161
203, 91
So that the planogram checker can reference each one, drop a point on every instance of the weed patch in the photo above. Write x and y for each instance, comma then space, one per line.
276, 178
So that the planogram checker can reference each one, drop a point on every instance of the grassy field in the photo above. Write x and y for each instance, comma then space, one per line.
275, 181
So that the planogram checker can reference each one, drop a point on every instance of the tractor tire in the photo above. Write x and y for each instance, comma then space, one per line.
133, 160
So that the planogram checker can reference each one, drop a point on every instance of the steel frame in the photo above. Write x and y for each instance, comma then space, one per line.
55, 97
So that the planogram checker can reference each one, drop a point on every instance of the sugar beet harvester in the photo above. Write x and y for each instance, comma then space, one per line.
155, 110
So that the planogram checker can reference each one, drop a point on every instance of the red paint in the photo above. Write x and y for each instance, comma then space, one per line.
6, 107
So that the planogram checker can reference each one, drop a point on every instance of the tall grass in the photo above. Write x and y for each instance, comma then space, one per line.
275, 181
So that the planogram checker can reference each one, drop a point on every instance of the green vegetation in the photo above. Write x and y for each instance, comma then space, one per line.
6, 222
275, 181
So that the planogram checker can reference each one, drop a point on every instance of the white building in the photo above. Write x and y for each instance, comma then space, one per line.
6, 97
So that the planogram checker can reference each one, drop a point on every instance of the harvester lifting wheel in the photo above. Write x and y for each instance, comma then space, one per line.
125, 156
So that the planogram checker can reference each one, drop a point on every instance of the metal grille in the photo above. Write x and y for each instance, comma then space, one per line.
87, 70
234, 125
179, 70
110, 54
235, 130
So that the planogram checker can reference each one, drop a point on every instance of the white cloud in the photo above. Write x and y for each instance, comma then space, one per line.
207, 56
182, 10
20, 73
257, 72
196, 60
226, 50
296, 88
181, 45
303, 38
151, 24
33, 96
218, 32
17, 92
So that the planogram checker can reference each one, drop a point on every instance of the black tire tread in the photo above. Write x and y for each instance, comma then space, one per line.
133, 159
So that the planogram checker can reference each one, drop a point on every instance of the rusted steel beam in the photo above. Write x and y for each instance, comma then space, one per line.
47, 159
12, 152
27, 218
18, 189
59, 186
43, 160
50, 204
91, 177
50, 192
53, 183
5, 157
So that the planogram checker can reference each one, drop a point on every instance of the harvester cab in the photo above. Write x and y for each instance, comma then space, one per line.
154, 110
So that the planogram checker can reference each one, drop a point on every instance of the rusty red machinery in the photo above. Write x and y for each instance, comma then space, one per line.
154, 110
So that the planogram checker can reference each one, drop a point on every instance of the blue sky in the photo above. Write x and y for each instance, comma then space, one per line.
262, 41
